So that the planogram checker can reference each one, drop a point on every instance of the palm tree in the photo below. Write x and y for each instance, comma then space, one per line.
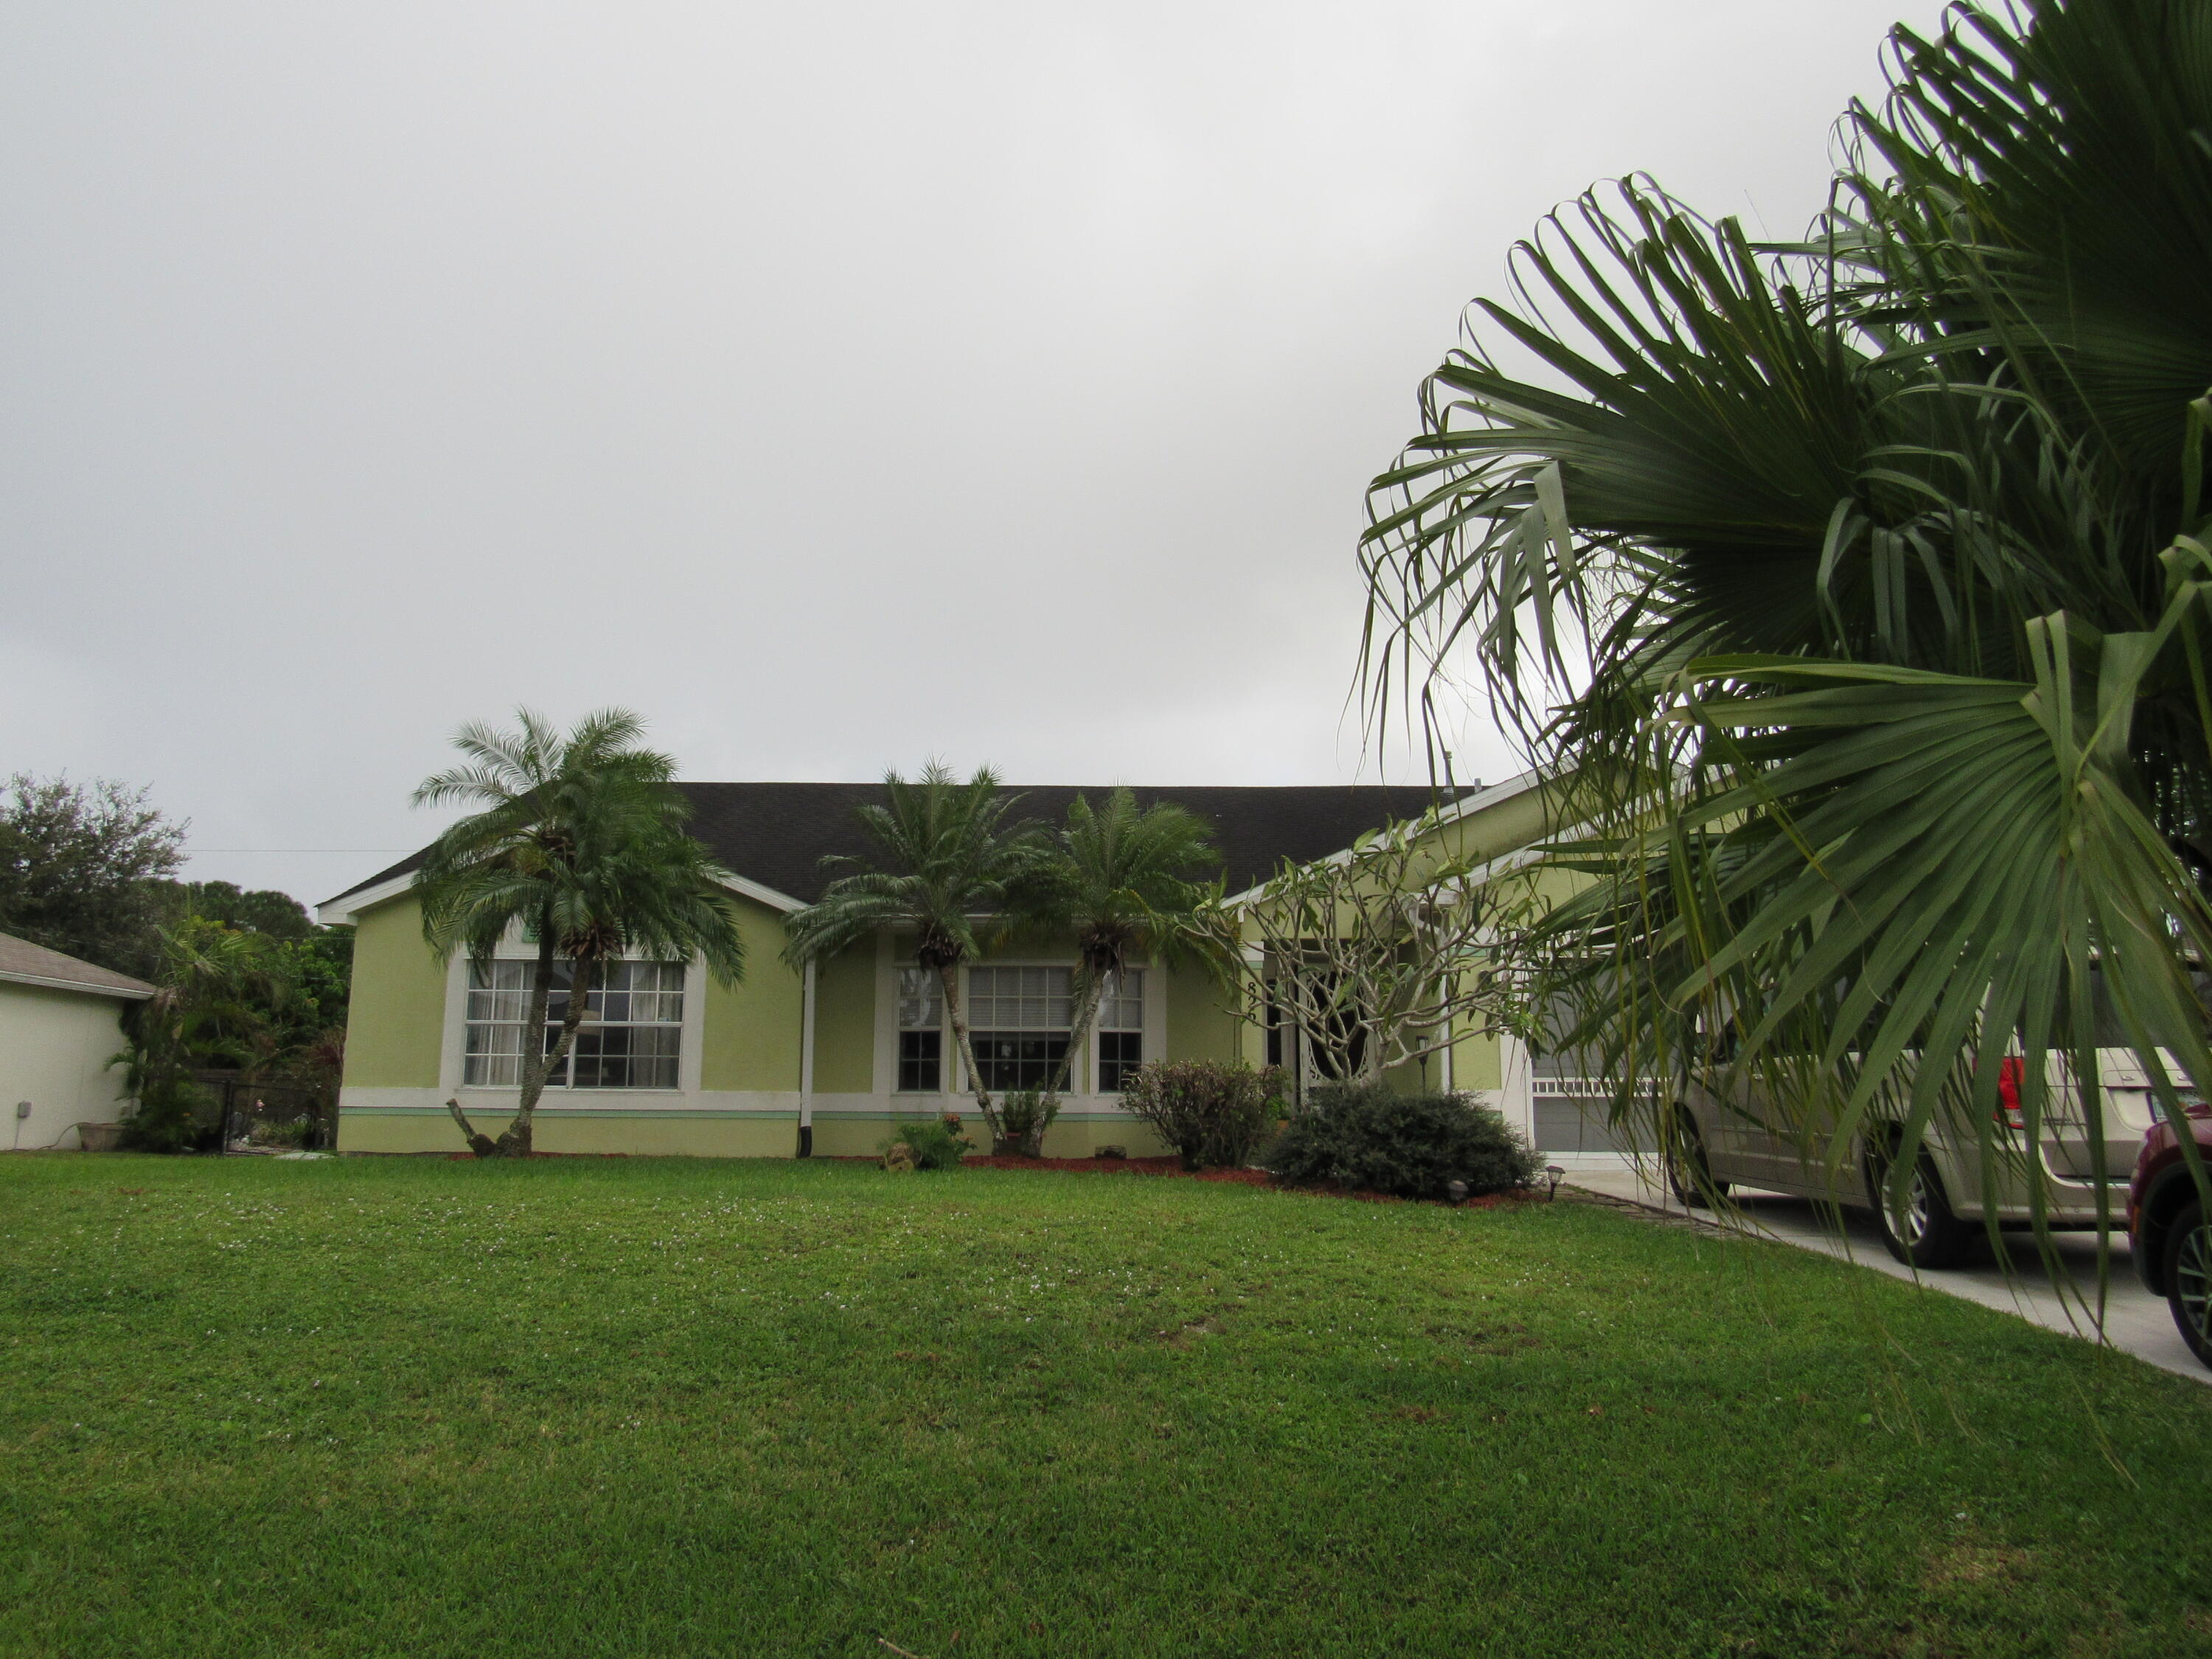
1124, 880
951, 868
582, 842
223, 994
224, 997
1858, 588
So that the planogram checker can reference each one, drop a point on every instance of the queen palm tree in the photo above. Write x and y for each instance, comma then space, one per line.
582, 842
951, 868
1856, 589
1125, 880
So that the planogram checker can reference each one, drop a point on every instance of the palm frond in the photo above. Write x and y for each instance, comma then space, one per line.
1853, 587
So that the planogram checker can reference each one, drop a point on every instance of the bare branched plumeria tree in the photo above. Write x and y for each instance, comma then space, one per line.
1381, 956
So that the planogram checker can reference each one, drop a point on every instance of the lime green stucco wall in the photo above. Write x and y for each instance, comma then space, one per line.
396, 1026
1198, 1027
750, 1034
635, 1135
1478, 1062
845, 1023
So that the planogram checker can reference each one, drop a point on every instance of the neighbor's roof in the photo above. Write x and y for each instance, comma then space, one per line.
22, 962
774, 835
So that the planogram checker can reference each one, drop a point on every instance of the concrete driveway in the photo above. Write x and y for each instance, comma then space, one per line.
2135, 1321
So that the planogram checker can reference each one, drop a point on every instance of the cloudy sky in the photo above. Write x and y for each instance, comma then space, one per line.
838, 385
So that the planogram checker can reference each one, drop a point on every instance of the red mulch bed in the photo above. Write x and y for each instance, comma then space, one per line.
1136, 1166
1173, 1166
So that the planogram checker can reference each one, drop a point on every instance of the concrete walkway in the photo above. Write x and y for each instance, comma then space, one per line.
2135, 1321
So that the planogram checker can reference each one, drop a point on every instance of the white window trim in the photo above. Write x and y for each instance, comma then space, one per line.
888, 971
453, 1064
953, 1071
1151, 1021
1083, 1071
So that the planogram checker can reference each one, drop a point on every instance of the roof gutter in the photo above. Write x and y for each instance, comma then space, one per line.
346, 908
806, 1061
45, 983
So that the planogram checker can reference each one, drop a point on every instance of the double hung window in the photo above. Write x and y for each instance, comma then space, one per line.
632, 1037
1120, 1029
1018, 1022
922, 1031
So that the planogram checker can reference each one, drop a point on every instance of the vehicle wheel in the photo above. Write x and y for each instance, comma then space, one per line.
1927, 1234
2189, 1280
1689, 1171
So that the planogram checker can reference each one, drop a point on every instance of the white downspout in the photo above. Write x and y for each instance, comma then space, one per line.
806, 1063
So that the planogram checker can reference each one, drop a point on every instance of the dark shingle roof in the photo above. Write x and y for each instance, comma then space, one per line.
777, 834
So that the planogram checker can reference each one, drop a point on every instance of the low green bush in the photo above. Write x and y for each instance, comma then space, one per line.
172, 1115
936, 1145
1026, 1114
1210, 1113
1370, 1139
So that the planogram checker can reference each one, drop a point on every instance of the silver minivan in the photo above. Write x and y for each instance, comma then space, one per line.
1713, 1144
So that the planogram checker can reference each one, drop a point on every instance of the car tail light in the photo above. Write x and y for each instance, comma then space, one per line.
2010, 1075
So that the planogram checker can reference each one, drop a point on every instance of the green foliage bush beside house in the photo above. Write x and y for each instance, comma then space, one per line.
1367, 1139
1214, 1116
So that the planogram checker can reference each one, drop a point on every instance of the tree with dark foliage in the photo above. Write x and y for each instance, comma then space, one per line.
80, 867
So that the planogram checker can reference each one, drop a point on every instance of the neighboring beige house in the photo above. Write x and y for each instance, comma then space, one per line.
60, 1023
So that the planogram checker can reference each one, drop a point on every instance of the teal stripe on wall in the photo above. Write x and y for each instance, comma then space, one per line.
791, 1117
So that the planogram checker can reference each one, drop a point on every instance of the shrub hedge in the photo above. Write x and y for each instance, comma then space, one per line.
1370, 1139
1210, 1113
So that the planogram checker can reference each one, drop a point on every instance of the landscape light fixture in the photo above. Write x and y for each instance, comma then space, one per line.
1555, 1172
1457, 1190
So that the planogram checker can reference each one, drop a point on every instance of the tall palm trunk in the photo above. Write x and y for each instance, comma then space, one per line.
583, 975
1090, 991
948, 975
537, 1070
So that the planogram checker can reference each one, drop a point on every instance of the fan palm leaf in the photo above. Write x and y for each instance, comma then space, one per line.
1855, 587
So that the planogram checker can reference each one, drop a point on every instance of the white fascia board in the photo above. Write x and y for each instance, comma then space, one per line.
349, 907
346, 909
768, 896
1481, 800
45, 983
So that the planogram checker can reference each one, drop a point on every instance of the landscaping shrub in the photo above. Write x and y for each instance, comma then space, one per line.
292, 1132
1026, 1114
1372, 1141
934, 1146
1210, 1113
172, 1115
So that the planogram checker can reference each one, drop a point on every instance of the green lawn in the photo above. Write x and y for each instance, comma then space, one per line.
254, 1407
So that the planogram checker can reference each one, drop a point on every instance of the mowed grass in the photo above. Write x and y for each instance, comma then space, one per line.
376, 1406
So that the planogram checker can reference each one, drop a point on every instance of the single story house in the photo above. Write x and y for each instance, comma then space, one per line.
845, 1050
60, 1025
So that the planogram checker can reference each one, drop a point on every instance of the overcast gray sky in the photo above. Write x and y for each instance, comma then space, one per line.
837, 386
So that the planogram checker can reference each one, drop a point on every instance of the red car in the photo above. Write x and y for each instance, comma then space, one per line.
2167, 1227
